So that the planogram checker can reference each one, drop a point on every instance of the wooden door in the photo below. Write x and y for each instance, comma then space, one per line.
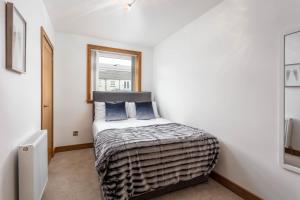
47, 89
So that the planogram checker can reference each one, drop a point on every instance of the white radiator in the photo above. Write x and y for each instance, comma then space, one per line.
33, 167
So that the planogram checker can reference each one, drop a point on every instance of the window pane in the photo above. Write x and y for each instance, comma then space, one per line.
113, 85
112, 71
100, 84
125, 85
114, 61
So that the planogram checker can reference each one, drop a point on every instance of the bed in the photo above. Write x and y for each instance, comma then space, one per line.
143, 159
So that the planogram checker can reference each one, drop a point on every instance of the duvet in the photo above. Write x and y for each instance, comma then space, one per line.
135, 160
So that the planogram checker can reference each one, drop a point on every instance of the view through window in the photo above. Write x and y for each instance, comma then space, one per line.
112, 70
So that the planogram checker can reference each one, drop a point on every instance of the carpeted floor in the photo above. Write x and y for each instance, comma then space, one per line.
72, 176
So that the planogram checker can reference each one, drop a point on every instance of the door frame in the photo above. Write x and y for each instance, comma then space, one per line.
45, 37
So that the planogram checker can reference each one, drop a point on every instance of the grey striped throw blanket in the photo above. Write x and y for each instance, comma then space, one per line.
132, 161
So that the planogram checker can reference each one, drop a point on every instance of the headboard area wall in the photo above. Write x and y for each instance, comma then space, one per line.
120, 96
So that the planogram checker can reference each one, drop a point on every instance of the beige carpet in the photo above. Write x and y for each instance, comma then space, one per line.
72, 176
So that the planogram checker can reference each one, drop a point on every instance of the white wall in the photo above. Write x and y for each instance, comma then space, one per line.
223, 72
20, 95
71, 112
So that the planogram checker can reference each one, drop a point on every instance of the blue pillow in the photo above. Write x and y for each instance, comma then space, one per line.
115, 111
144, 110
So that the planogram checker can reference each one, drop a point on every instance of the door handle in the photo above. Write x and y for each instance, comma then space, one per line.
45, 106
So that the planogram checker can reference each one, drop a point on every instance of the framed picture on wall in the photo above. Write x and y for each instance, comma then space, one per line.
292, 75
15, 39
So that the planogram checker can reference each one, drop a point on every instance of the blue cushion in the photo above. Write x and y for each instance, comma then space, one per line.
144, 110
115, 111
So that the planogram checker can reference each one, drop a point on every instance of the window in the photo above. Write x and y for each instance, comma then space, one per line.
111, 69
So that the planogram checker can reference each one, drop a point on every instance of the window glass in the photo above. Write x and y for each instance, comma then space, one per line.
112, 71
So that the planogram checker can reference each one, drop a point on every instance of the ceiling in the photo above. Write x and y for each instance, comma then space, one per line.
147, 23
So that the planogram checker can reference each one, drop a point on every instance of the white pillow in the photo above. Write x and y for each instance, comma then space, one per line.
131, 111
99, 111
154, 105
130, 108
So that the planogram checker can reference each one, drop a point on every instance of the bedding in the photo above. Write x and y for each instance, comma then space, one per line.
144, 110
115, 111
130, 107
101, 125
99, 110
138, 156
154, 105
131, 110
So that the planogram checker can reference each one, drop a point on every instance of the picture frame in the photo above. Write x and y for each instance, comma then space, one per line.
292, 75
16, 33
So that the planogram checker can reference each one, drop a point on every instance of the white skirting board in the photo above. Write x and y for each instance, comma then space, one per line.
33, 167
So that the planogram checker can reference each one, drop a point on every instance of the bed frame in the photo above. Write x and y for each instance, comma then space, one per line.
140, 97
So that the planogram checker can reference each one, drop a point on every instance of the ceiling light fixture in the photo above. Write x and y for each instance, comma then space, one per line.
130, 5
